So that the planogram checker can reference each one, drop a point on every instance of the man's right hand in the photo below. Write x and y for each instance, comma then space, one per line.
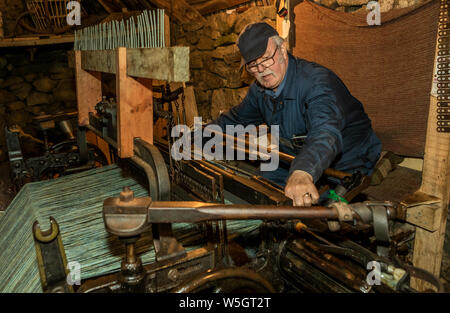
301, 189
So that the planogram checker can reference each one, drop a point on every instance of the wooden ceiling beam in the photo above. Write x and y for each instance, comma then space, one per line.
218, 5
180, 10
109, 6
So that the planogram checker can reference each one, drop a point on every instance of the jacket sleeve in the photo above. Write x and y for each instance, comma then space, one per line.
324, 122
245, 113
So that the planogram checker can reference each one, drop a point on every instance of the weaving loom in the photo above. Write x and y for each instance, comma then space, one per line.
98, 214
76, 204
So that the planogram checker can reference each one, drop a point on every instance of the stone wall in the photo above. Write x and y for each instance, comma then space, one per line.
32, 82
215, 58
357, 5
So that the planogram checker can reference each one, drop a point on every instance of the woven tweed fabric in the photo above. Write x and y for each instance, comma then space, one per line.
76, 203
389, 68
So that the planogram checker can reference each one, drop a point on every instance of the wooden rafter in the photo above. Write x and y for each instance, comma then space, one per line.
211, 6
108, 6
180, 10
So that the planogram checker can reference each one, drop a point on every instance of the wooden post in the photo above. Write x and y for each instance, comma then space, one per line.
428, 244
134, 107
167, 30
283, 23
89, 90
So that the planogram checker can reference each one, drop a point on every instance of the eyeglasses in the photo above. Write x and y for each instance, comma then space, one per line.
253, 68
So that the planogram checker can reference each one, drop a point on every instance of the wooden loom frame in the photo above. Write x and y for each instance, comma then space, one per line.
135, 69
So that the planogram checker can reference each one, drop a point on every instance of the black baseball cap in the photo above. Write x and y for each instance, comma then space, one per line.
252, 41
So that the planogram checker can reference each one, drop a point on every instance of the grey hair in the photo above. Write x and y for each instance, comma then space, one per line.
278, 40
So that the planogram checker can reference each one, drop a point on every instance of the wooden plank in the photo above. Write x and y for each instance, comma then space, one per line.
180, 10
190, 105
35, 41
419, 198
99, 60
89, 90
428, 245
208, 7
167, 30
169, 64
106, 5
422, 210
134, 107
283, 24
426, 216
91, 137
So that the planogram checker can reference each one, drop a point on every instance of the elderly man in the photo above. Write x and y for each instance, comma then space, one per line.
307, 101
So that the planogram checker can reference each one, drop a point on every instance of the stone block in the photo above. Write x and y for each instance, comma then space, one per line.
17, 105
229, 39
220, 23
11, 81
196, 60
6, 96
252, 15
36, 98
44, 84
205, 43
65, 91
30, 77
386, 5
193, 26
23, 92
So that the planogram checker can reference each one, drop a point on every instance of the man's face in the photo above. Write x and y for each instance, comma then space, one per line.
270, 77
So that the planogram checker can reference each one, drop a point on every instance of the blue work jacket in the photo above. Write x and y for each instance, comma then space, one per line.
316, 103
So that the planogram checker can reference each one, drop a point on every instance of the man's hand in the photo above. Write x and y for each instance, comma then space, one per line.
301, 189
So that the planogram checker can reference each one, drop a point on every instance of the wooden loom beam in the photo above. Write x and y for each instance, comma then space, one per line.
134, 69
168, 64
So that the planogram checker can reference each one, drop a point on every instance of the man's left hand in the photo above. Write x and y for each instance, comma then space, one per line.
301, 189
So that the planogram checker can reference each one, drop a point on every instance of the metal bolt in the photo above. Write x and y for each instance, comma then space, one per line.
127, 194
173, 274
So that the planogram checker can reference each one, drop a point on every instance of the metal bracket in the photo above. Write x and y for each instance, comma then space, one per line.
51, 258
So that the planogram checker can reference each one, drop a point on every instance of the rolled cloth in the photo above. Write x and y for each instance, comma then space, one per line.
389, 68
